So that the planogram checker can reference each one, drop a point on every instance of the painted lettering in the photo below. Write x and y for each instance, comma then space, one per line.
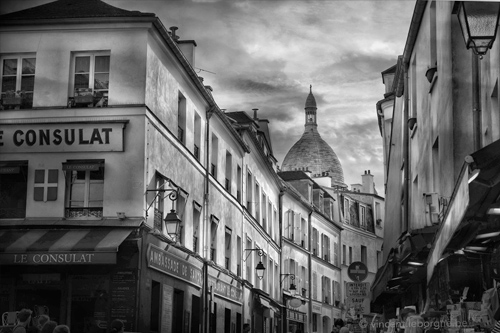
44, 137
96, 136
17, 141
106, 132
57, 137
67, 139
30, 137
82, 141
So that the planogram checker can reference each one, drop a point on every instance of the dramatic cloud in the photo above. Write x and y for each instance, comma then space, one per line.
265, 54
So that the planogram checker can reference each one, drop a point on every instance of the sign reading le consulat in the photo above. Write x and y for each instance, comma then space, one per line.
21, 138
58, 258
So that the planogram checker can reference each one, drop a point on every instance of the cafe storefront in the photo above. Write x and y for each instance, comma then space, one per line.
84, 277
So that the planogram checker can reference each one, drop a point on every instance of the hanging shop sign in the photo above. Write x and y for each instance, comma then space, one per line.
61, 137
170, 264
225, 290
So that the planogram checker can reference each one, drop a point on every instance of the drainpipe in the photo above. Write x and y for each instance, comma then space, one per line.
476, 101
283, 309
406, 150
309, 264
206, 304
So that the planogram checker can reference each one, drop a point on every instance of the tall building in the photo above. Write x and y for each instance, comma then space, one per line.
439, 121
350, 224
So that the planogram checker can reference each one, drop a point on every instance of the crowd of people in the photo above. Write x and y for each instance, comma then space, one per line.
43, 324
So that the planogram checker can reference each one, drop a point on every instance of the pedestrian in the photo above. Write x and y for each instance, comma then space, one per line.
42, 319
61, 329
23, 320
48, 327
246, 328
117, 326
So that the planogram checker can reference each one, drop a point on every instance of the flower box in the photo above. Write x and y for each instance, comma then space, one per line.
11, 101
83, 96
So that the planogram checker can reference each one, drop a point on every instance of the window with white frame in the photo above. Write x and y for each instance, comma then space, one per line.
362, 217
90, 75
346, 210
84, 188
18, 81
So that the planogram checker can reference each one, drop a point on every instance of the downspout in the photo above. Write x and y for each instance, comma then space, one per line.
406, 150
476, 102
206, 304
283, 309
309, 264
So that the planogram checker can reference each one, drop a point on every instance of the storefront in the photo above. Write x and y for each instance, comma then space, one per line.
171, 296
296, 321
82, 277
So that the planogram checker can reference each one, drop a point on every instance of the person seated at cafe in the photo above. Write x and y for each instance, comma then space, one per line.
48, 327
23, 320
61, 329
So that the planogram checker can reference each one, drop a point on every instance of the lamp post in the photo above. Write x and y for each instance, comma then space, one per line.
479, 25
260, 268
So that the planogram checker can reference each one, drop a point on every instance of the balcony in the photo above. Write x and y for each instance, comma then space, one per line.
83, 212
84, 97
17, 100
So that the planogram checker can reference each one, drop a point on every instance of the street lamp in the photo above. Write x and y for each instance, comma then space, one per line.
292, 289
172, 224
479, 23
260, 268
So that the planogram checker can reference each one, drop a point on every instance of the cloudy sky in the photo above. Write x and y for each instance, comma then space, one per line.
265, 54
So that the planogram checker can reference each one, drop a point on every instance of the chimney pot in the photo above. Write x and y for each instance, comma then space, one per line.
255, 113
172, 31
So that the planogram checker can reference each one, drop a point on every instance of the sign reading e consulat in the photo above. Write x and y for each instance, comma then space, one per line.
59, 137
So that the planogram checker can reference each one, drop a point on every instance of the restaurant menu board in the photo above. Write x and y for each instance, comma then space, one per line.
168, 301
123, 298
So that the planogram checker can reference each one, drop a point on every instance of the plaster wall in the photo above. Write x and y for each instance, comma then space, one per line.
53, 73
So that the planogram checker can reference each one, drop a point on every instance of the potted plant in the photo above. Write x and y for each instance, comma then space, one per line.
83, 96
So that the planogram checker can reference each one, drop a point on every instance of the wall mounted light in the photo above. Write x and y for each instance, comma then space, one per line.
292, 289
260, 268
479, 24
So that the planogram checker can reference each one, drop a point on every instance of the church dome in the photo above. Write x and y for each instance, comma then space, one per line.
312, 153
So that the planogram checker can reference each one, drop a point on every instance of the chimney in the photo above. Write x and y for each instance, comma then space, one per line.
255, 114
187, 47
367, 180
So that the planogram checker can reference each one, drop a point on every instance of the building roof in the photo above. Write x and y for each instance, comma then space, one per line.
63, 9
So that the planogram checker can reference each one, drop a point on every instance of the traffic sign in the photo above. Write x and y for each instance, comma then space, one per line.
357, 271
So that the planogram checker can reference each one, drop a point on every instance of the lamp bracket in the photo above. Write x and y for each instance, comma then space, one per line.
260, 252
291, 276
173, 195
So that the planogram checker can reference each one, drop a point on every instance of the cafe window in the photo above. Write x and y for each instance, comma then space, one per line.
18, 81
13, 189
84, 188
90, 76
45, 185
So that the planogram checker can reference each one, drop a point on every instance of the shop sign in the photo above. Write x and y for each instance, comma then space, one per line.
295, 316
41, 278
316, 308
357, 289
74, 137
170, 264
58, 258
224, 289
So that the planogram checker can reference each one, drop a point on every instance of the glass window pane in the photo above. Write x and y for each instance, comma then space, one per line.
82, 64
28, 83
101, 64
101, 81
95, 193
77, 195
97, 174
29, 66
8, 83
10, 67
81, 81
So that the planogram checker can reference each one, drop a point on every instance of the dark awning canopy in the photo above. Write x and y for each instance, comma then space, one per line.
61, 246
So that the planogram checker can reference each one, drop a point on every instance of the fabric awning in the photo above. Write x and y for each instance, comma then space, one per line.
61, 246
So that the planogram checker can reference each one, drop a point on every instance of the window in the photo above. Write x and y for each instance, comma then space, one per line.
303, 227
238, 255
257, 201
91, 75
45, 185
314, 286
315, 242
346, 210
227, 263
249, 261
215, 156
264, 211
13, 189
362, 217
238, 183
214, 223
344, 255
196, 225
84, 188
315, 322
249, 192
181, 118
229, 171
363, 255
270, 218
154, 323
350, 255
335, 253
197, 135
18, 81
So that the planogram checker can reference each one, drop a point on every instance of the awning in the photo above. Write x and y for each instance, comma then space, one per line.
61, 246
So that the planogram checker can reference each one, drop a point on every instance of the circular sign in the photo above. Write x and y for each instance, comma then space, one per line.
357, 271
295, 302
